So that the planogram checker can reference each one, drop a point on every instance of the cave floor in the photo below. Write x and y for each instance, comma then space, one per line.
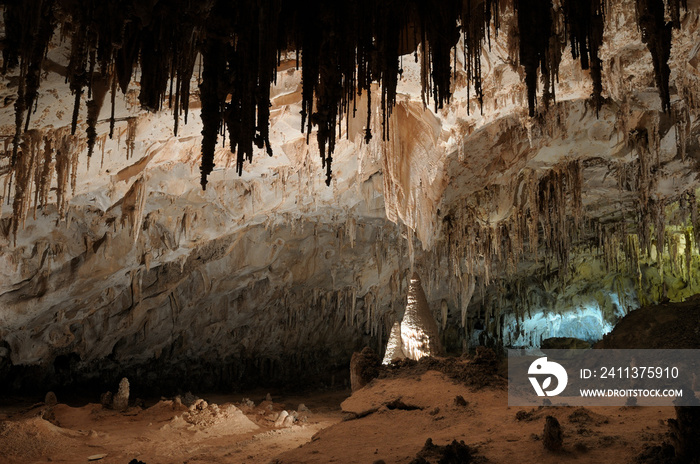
369, 426
486, 423
165, 432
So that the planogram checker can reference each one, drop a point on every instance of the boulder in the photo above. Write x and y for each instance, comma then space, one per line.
281, 418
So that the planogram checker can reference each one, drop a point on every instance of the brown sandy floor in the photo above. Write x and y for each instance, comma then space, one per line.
593, 435
163, 433
371, 426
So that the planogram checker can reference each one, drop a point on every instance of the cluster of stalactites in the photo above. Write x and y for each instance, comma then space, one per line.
581, 20
544, 210
41, 158
585, 20
656, 34
107, 38
344, 47
667, 233
540, 44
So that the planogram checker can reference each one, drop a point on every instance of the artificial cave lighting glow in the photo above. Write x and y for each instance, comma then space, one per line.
585, 323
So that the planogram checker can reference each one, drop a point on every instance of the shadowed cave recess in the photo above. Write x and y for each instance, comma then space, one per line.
219, 195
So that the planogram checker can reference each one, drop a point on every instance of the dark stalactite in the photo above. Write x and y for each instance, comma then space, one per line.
674, 7
585, 21
534, 18
211, 111
656, 34
476, 18
440, 34
80, 49
29, 26
12, 42
43, 31
100, 85
127, 54
113, 95
156, 59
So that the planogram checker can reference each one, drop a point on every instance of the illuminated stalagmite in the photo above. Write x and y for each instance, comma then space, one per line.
394, 348
417, 334
419, 331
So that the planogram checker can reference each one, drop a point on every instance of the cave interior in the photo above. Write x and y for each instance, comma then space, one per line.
219, 197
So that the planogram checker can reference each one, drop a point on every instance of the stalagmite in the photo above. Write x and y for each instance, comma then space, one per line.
394, 346
443, 314
466, 297
120, 401
419, 331
552, 436
364, 366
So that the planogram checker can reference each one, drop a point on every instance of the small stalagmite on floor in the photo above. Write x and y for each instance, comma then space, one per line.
120, 401
50, 399
552, 436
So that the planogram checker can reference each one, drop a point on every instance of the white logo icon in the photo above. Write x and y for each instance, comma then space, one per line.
552, 369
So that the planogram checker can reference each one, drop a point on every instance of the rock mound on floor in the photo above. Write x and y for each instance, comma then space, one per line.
662, 326
454, 453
